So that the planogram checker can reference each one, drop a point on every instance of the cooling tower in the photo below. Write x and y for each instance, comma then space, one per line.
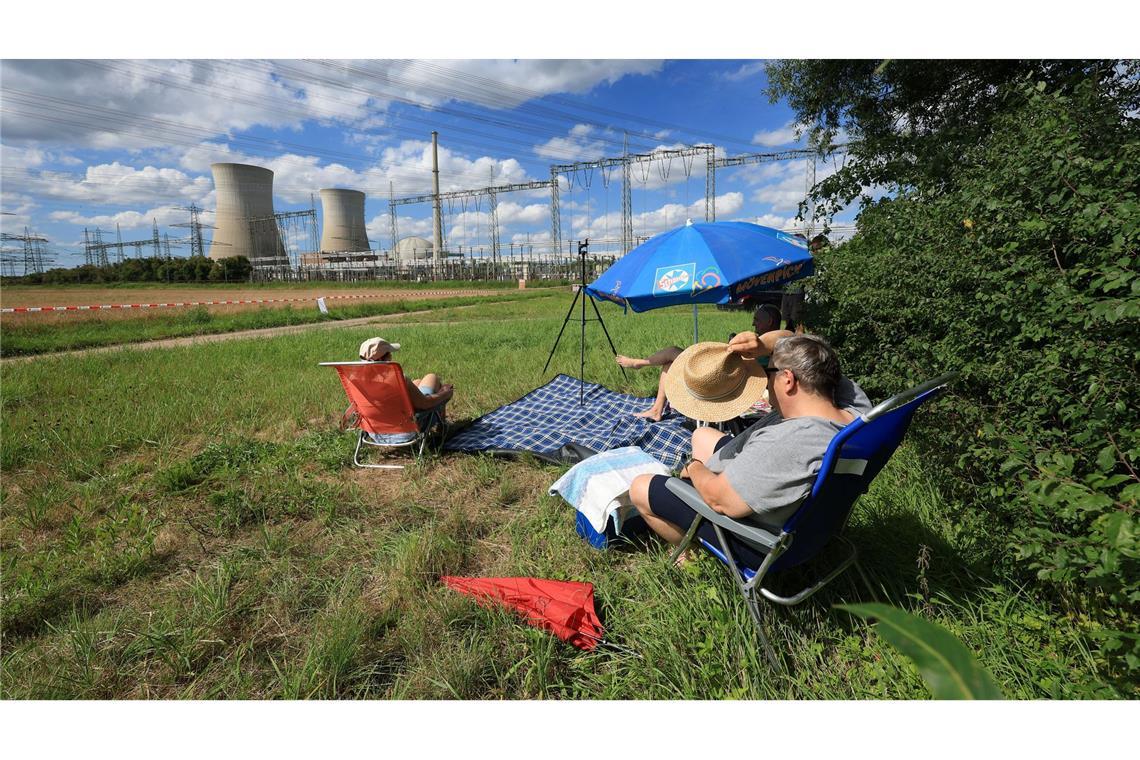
245, 223
343, 228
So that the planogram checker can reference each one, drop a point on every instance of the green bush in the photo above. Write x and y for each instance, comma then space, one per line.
1022, 275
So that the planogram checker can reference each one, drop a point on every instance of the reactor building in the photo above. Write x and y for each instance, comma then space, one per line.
343, 229
245, 225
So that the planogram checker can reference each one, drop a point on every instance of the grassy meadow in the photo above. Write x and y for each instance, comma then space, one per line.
187, 523
32, 334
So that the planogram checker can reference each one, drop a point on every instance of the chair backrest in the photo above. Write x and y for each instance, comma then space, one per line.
854, 457
379, 394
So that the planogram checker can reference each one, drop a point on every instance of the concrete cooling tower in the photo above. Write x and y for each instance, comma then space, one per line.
245, 224
343, 228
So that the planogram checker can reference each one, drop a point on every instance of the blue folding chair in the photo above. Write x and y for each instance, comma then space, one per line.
854, 457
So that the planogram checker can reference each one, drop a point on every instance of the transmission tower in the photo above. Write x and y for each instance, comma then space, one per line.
477, 193
555, 214
392, 230
626, 200
32, 248
197, 247
710, 183
646, 160
494, 202
98, 249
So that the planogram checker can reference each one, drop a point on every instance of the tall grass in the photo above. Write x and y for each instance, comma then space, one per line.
187, 523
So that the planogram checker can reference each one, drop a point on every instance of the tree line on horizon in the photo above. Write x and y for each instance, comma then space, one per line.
146, 269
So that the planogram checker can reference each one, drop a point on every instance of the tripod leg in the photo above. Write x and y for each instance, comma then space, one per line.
607, 332
564, 321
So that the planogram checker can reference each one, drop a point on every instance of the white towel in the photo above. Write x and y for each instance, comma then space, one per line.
598, 486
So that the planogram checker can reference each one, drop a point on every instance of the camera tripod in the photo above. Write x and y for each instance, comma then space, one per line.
583, 247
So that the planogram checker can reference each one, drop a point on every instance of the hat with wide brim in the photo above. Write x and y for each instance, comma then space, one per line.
708, 382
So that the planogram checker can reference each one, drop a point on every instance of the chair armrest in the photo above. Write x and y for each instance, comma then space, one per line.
751, 533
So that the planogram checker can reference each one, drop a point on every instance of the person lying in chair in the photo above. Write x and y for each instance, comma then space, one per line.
764, 473
764, 319
428, 393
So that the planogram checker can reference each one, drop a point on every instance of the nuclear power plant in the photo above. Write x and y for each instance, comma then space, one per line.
284, 245
245, 224
343, 226
466, 228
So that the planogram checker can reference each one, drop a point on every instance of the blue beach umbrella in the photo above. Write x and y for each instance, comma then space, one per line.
712, 262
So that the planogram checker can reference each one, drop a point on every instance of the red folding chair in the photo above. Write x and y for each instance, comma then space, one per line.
378, 397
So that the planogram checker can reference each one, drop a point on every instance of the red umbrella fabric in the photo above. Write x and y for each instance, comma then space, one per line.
565, 608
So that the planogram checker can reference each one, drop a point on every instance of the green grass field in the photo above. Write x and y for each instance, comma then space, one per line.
187, 523
29, 337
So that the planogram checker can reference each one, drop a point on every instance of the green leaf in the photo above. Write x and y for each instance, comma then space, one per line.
949, 669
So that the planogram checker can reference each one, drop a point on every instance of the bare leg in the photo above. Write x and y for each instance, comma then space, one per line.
656, 411
630, 362
639, 495
661, 358
430, 379
704, 442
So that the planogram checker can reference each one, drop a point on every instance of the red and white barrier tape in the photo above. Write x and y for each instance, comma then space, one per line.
97, 307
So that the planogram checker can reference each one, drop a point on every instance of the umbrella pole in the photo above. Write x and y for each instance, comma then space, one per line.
695, 340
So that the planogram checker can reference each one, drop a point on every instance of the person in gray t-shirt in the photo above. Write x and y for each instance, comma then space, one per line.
765, 472
772, 465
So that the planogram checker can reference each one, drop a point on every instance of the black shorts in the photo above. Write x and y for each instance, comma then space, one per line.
668, 506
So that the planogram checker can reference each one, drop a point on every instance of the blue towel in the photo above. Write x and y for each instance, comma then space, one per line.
549, 417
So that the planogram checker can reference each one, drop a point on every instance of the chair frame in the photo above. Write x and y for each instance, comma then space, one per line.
773, 545
421, 438
434, 420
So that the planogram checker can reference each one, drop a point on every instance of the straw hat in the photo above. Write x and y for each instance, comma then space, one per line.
372, 349
708, 382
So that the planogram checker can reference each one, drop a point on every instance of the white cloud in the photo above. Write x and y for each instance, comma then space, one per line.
776, 221
745, 71
126, 220
407, 166
17, 213
788, 134
576, 146
151, 103
788, 183
507, 83
660, 219
117, 184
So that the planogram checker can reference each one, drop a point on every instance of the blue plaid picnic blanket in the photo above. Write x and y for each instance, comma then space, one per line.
549, 417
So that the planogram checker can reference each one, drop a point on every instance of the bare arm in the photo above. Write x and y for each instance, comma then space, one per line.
752, 346
716, 491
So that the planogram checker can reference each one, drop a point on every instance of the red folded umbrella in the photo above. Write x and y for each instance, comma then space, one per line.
565, 608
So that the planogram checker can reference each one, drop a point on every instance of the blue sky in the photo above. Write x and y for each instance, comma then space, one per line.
127, 142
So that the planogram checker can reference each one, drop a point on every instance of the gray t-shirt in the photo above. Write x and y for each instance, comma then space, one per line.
773, 464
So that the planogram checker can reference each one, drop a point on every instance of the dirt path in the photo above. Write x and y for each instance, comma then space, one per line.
264, 332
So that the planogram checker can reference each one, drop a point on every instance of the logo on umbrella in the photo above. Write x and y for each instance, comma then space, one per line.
674, 278
708, 279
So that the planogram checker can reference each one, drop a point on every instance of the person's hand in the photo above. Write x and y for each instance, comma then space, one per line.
748, 345
685, 470
445, 392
